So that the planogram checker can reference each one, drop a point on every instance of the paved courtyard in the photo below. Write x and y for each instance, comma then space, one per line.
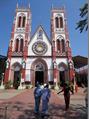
19, 104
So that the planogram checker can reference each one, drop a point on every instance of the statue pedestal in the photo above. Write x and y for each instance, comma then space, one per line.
56, 86
31, 86
50, 86
2, 86
21, 86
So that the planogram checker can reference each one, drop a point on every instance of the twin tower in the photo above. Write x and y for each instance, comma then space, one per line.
38, 58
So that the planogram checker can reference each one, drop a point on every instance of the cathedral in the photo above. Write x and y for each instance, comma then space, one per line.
38, 58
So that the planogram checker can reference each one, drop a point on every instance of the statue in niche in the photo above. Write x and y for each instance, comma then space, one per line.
55, 65
23, 64
39, 67
7, 64
40, 34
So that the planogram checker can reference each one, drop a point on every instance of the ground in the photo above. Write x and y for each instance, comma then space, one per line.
19, 104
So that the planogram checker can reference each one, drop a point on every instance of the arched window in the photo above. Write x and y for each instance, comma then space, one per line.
17, 45
19, 21
21, 45
61, 22
58, 44
63, 45
57, 22
23, 23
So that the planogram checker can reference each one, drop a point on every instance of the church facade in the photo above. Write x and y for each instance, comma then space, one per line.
37, 58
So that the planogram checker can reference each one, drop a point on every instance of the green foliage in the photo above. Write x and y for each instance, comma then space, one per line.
16, 83
27, 86
2, 68
0, 75
83, 23
8, 84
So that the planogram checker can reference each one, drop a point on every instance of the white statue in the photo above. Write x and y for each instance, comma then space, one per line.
23, 64
7, 64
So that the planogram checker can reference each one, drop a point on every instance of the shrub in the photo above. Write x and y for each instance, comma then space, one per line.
8, 84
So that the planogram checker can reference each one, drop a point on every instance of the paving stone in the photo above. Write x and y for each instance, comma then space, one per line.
21, 106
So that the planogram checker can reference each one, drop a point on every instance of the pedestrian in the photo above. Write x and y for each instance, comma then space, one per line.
86, 96
72, 87
66, 89
37, 97
45, 99
76, 88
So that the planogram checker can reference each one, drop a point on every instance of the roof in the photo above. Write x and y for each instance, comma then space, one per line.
2, 57
80, 61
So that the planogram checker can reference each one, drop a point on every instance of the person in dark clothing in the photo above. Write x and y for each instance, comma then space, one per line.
72, 88
66, 89
37, 97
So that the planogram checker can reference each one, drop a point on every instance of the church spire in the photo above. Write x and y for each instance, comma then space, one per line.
29, 5
17, 5
52, 6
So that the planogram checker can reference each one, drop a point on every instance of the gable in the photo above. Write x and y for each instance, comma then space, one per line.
39, 44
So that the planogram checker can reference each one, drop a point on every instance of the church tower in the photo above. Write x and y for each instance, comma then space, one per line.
18, 46
29, 56
61, 51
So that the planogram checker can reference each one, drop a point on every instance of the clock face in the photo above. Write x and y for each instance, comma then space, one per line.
39, 48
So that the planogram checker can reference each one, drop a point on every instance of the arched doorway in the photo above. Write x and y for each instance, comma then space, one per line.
39, 72
16, 75
63, 73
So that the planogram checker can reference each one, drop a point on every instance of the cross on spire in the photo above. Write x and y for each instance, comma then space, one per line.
17, 5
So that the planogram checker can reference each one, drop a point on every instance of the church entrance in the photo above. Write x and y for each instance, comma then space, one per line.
17, 79
39, 72
16, 75
62, 77
39, 77
63, 73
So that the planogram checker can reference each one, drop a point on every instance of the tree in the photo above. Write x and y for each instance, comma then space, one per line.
2, 66
83, 23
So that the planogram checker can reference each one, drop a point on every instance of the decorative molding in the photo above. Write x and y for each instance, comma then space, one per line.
17, 54
20, 30
61, 30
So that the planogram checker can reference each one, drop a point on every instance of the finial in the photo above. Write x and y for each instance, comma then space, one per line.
52, 6
29, 5
17, 5
64, 7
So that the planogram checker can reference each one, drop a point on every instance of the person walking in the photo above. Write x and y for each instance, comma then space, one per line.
86, 96
37, 97
66, 89
46, 93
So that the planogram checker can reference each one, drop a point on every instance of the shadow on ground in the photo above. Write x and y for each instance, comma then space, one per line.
18, 110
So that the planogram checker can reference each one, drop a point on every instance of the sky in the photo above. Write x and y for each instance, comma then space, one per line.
41, 14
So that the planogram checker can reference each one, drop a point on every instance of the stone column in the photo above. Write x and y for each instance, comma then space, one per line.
49, 77
6, 75
56, 79
6, 78
22, 86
